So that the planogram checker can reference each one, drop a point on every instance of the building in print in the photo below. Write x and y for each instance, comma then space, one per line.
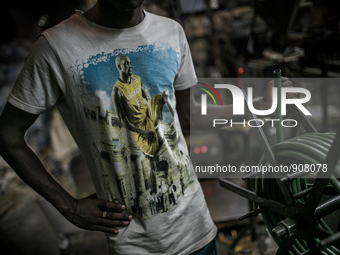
132, 171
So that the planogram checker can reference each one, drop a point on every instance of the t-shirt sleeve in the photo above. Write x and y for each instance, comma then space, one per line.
38, 84
186, 75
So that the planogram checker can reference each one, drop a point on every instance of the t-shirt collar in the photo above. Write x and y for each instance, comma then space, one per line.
136, 28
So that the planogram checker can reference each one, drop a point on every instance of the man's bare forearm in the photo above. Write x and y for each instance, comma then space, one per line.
85, 213
13, 126
27, 165
133, 128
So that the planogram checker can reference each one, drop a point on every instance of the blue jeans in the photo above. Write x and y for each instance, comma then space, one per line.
209, 249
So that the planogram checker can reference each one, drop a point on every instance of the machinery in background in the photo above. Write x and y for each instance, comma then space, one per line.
299, 208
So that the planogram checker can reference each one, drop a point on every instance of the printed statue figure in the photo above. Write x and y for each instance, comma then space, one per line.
136, 109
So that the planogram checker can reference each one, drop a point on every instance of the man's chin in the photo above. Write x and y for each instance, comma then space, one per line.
129, 5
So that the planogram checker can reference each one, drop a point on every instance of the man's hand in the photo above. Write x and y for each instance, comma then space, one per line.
86, 213
148, 134
266, 101
96, 214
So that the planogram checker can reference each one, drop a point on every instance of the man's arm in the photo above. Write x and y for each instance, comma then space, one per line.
85, 213
145, 95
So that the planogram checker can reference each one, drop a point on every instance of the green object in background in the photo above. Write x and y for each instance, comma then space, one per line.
277, 84
310, 149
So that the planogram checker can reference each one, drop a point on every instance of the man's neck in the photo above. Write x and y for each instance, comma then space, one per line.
125, 79
104, 14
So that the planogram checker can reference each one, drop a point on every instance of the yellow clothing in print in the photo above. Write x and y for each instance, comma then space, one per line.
140, 113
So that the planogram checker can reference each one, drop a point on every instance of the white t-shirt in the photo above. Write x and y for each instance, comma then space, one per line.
72, 65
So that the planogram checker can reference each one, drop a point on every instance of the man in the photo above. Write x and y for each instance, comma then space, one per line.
151, 198
136, 109
70, 66
172, 189
163, 191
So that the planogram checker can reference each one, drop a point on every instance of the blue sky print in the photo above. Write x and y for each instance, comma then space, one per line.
155, 64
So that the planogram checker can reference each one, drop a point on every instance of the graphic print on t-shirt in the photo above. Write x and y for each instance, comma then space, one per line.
128, 100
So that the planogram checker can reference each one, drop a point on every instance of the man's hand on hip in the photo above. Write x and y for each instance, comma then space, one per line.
96, 214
